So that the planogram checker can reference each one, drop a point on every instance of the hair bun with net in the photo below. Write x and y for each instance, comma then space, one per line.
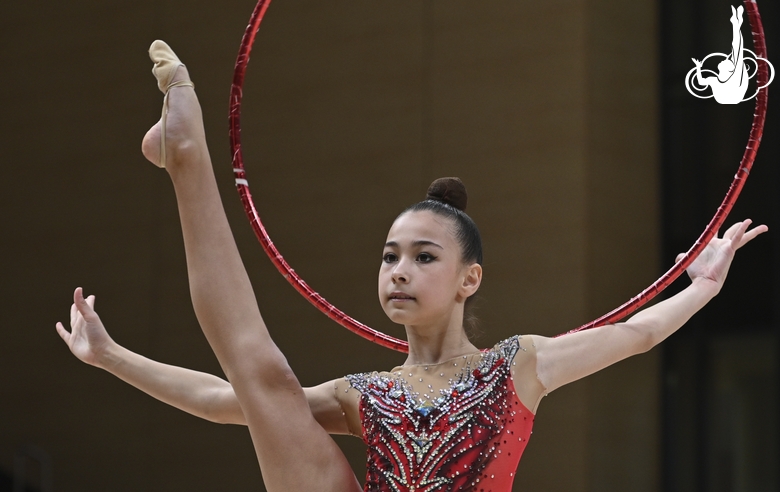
450, 191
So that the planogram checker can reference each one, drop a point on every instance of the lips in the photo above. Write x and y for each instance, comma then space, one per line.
400, 296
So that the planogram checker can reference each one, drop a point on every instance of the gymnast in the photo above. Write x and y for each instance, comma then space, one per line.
452, 417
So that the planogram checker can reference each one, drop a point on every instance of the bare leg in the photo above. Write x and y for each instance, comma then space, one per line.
294, 452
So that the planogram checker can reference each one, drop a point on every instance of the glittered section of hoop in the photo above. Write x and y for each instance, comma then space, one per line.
242, 185
754, 140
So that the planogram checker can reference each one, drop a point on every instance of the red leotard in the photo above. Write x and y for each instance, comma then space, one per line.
458, 425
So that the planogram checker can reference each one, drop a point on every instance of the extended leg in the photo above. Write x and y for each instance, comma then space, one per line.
294, 452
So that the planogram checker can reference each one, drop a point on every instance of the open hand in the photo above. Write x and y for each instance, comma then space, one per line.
713, 263
87, 338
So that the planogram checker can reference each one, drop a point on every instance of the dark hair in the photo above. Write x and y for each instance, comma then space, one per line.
447, 197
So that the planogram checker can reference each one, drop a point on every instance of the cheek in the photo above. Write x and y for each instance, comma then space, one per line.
441, 283
383, 277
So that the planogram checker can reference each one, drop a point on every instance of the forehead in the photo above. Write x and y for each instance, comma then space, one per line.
426, 225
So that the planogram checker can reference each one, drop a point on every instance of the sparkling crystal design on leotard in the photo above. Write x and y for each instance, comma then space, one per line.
461, 439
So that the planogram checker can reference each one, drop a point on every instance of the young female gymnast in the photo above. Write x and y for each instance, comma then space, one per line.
451, 418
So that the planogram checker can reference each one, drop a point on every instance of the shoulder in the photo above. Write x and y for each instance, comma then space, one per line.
348, 391
519, 352
513, 349
359, 382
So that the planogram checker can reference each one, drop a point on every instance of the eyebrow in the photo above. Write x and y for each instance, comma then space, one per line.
419, 242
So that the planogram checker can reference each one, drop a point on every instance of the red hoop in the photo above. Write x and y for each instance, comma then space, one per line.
236, 94
754, 140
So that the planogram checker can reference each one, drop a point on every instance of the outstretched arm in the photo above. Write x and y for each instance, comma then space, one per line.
568, 358
203, 395
200, 394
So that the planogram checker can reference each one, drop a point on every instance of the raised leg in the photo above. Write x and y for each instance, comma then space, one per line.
294, 452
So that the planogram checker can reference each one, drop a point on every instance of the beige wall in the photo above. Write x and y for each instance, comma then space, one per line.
547, 111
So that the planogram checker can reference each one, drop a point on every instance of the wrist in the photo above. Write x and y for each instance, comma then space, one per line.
109, 356
706, 286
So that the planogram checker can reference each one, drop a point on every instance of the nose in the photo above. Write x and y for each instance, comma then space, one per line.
400, 275
399, 278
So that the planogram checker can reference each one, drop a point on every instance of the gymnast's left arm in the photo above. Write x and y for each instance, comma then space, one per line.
568, 358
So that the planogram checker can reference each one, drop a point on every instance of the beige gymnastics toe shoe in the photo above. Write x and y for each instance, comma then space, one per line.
165, 65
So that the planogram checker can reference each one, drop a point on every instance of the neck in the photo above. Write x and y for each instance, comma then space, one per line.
431, 346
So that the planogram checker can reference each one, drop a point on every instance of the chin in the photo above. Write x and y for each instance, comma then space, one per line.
399, 316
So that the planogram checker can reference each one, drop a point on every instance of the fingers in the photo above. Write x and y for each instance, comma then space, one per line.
64, 334
752, 234
733, 229
739, 234
736, 231
84, 306
679, 257
78, 295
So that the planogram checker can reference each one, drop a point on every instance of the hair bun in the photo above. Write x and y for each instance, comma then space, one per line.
450, 191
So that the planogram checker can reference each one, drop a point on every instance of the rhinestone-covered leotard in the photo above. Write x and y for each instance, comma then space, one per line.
458, 425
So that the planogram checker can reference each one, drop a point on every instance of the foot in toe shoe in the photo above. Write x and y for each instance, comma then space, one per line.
166, 64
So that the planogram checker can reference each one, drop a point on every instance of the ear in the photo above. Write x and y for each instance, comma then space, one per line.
472, 278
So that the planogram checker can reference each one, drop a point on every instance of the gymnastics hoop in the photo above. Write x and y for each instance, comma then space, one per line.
242, 185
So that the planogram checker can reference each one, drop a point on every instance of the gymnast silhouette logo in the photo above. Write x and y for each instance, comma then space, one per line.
730, 84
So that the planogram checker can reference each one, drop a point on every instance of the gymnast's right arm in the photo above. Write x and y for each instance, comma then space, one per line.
200, 394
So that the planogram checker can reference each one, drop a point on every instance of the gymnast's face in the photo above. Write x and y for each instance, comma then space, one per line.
423, 280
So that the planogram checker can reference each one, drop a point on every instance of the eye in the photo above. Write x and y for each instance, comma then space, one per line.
425, 257
389, 258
